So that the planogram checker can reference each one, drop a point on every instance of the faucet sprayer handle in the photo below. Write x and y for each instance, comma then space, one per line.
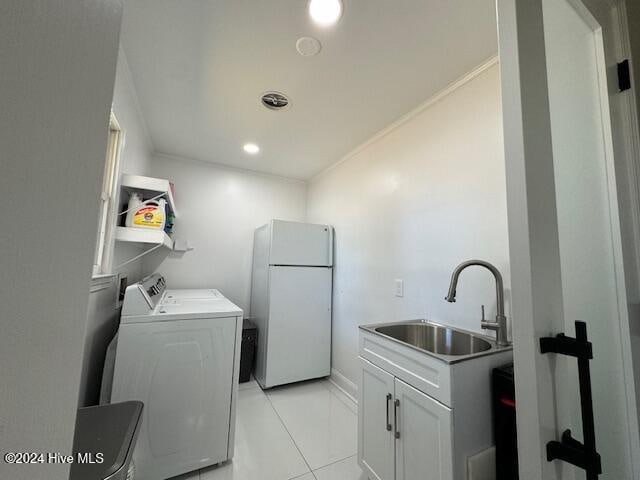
482, 308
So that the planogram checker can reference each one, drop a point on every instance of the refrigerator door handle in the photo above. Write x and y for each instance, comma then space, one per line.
330, 263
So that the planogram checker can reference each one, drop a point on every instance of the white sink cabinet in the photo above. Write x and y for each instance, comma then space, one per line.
420, 417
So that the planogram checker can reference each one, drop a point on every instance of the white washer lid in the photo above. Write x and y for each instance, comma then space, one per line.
189, 293
188, 310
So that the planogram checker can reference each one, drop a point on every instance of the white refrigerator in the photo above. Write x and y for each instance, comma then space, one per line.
291, 301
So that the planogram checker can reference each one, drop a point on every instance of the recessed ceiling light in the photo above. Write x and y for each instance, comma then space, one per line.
325, 12
251, 148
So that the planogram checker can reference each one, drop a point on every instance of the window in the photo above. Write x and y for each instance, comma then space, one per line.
108, 198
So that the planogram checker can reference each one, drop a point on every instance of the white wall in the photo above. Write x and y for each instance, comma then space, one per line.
136, 154
58, 65
103, 316
411, 204
219, 208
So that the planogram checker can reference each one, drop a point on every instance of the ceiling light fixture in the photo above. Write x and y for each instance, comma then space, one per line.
325, 12
251, 148
275, 101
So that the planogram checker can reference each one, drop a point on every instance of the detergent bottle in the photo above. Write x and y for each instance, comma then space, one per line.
147, 214
134, 202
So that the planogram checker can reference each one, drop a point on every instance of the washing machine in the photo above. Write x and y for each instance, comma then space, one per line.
180, 356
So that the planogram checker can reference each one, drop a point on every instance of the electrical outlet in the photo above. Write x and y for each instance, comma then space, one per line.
399, 287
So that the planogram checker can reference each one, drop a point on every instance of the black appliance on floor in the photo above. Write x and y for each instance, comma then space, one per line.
504, 423
248, 349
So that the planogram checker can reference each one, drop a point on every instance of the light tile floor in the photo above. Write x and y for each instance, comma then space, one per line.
305, 431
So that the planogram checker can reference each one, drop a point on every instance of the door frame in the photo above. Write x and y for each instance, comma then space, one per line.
626, 149
534, 247
628, 160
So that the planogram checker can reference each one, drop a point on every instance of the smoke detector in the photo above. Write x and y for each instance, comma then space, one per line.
275, 101
308, 46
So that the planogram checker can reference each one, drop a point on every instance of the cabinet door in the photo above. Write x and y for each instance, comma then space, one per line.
375, 422
424, 441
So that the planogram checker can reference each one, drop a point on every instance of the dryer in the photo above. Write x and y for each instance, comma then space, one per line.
180, 357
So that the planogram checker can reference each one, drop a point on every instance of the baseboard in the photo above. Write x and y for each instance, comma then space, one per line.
347, 387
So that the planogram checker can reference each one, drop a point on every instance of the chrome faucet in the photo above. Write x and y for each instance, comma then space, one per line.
500, 325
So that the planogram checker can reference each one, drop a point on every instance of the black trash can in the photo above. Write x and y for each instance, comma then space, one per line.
105, 438
504, 423
248, 349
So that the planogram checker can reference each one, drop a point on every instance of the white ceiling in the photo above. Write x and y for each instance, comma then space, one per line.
200, 66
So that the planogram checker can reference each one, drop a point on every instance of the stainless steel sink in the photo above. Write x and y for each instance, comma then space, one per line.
435, 338
448, 344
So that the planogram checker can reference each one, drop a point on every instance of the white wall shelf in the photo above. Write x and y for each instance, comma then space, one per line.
149, 187
144, 236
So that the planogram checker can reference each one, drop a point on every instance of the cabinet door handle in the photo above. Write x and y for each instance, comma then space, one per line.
389, 396
395, 417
